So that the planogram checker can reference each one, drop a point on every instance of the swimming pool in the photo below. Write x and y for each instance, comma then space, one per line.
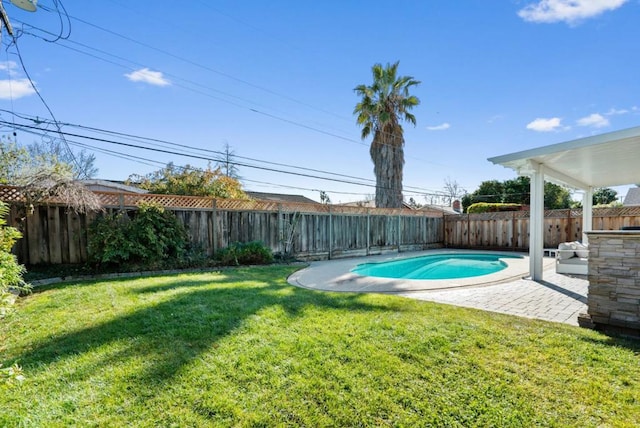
437, 266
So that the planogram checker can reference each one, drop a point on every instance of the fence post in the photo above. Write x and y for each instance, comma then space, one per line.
214, 221
121, 201
569, 237
468, 230
424, 231
514, 238
399, 235
280, 229
330, 232
368, 231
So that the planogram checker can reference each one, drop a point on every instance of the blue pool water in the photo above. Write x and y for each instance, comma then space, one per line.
436, 266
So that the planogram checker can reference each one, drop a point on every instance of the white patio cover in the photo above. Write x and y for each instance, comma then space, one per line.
604, 160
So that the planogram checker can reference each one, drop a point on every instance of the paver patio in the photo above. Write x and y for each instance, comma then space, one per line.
559, 298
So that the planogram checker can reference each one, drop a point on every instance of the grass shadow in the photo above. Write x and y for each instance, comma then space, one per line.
171, 333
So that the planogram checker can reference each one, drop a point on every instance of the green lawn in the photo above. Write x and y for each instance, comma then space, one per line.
243, 348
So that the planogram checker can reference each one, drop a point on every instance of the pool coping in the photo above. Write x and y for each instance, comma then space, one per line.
336, 275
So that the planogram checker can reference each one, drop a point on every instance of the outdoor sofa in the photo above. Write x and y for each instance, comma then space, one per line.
572, 258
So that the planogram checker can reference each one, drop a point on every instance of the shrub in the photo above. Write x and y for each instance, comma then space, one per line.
487, 207
10, 271
250, 253
153, 238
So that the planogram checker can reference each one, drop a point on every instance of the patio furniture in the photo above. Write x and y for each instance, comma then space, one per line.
572, 258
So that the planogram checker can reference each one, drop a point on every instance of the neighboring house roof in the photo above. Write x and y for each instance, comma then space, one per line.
111, 186
633, 197
278, 197
444, 209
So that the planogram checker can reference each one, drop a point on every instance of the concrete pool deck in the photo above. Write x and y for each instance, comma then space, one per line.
558, 298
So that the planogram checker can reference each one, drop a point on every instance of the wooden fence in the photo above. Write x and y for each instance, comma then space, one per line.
510, 230
53, 234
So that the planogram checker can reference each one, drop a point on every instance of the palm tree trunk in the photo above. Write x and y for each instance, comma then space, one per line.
387, 154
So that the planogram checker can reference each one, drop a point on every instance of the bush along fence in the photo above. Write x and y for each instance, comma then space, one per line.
510, 230
52, 234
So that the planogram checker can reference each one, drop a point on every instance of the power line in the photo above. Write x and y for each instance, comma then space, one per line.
204, 67
173, 152
14, 42
272, 116
165, 143
155, 163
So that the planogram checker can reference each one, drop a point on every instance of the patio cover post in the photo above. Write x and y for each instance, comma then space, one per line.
587, 213
536, 221
603, 160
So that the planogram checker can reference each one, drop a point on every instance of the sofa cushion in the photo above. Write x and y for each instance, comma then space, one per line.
582, 250
566, 250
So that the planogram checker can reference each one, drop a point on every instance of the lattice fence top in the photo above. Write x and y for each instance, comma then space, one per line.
132, 200
561, 213
10, 194
617, 212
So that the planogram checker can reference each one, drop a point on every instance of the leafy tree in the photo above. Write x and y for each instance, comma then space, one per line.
82, 163
384, 104
517, 191
188, 180
489, 191
43, 176
604, 196
556, 197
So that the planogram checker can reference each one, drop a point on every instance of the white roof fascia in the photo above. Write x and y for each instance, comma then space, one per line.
567, 145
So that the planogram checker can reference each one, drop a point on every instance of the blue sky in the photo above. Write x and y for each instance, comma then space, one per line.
275, 79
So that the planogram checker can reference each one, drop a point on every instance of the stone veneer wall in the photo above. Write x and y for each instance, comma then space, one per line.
614, 279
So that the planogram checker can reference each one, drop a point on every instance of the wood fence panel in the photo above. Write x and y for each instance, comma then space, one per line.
522, 233
553, 231
378, 232
77, 251
53, 234
312, 236
412, 230
511, 229
54, 229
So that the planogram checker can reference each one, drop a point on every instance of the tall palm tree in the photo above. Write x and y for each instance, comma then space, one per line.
383, 106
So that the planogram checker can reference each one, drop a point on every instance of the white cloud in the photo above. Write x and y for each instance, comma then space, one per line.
594, 120
615, 112
569, 11
14, 89
9, 67
442, 127
545, 125
148, 76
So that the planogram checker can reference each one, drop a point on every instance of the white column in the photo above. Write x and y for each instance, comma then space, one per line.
587, 214
536, 222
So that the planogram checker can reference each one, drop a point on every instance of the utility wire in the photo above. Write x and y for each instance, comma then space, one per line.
155, 163
14, 42
172, 152
165, 143
202, 66
272, 116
